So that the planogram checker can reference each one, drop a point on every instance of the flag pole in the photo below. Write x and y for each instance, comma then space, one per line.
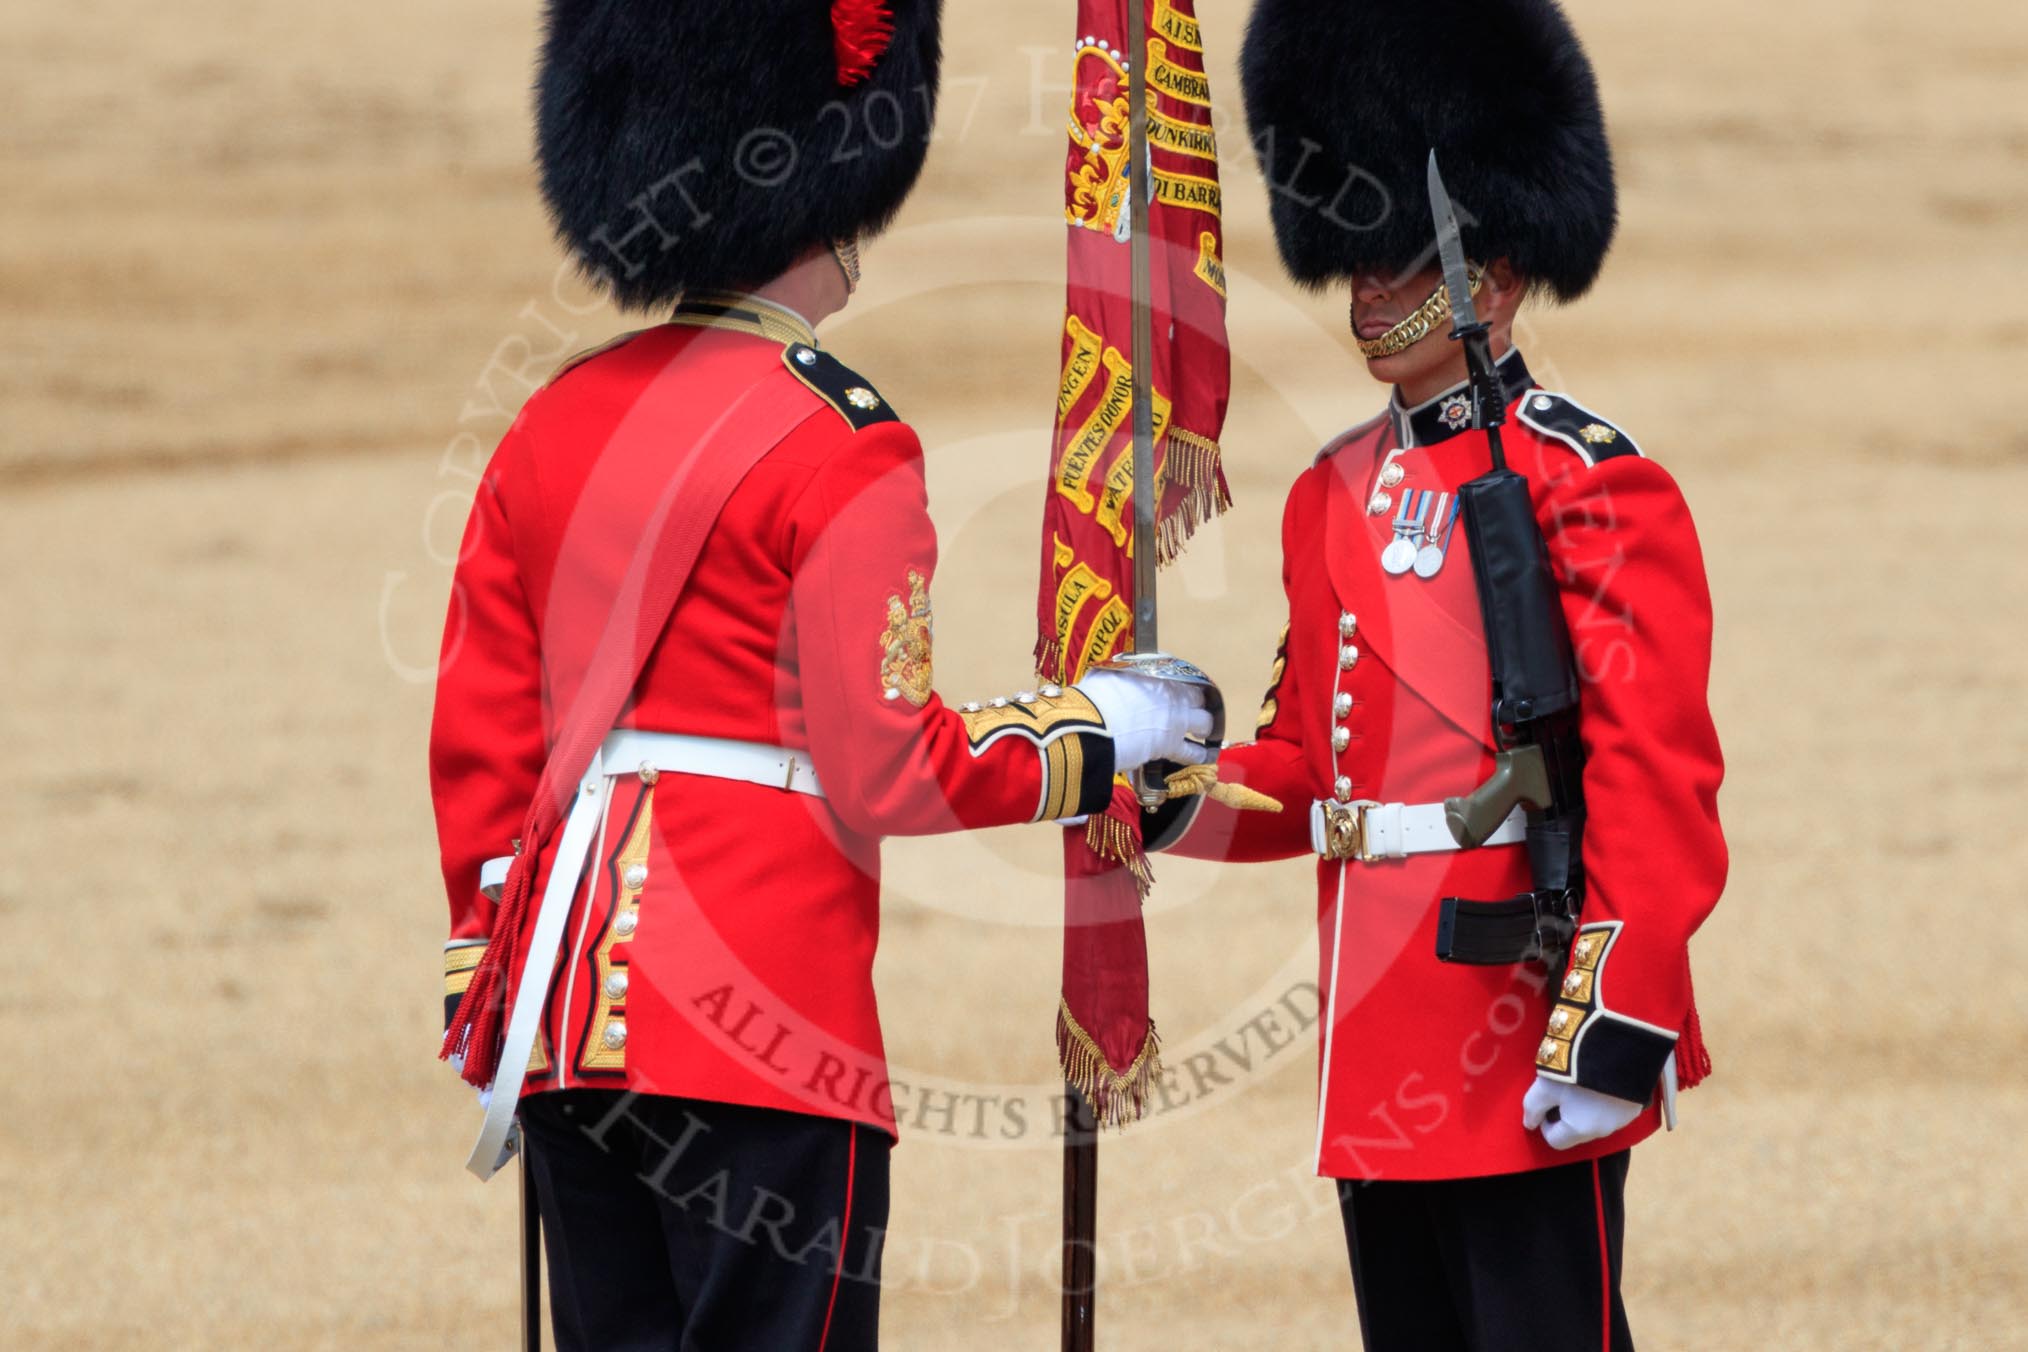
1080, 1141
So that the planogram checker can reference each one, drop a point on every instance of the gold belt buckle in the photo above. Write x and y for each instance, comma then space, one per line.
1345, 831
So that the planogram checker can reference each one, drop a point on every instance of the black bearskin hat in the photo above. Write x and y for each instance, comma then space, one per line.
1346, 99
707, 144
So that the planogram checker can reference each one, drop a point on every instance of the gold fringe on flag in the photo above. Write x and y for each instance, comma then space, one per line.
1118, 1098
1191, 463
1111, 838
1049, 659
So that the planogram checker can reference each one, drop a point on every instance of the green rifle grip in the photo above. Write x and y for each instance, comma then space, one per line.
1519, 776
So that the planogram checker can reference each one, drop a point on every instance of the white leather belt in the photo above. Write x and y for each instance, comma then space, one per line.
624, 752
628, 751
1367, 831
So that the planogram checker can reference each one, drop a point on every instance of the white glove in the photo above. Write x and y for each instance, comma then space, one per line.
1149, 719
1581, 1114
485, 1092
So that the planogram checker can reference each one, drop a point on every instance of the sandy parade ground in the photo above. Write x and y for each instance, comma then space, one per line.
274, 280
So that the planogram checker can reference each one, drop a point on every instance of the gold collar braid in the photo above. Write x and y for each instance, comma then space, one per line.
1419, 325
744, 313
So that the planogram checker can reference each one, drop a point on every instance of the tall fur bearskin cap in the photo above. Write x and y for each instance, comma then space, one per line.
1346, 99
707, 144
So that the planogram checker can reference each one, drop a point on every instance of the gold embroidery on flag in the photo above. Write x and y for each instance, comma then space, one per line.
1112, 508
1178, 82
1189, 192
1185, 138
1180, 29
1079, 586
1080, 461
1079, 367
1098, 180
1210, 267
1113, 626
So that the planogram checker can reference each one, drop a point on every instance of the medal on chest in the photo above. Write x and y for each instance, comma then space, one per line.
1436, 536
1399, 556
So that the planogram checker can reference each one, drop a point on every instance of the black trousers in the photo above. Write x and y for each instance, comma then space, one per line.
676, 1225
1511, 1263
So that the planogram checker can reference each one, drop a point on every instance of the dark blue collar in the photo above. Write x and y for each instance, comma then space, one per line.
1450, 413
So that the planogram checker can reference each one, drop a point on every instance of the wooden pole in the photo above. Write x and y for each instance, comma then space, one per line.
1080, 1222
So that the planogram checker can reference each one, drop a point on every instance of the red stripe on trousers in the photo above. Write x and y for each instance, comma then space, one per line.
845, 1231
1605, 1265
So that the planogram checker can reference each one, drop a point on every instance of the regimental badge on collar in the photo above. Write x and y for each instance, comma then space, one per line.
905, 666
1456, 411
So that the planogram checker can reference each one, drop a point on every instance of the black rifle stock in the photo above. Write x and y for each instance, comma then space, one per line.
1540, 764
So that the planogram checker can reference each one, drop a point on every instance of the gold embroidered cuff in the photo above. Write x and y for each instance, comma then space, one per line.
1037, 716
461, 959
1077, 755
1589, 1045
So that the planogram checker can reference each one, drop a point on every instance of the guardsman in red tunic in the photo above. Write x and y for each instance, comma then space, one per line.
692, 1045
1478, 1113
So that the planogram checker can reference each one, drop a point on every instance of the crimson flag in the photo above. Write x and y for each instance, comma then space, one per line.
1105, 1037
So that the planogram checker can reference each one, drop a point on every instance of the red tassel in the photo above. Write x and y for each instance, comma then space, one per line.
1693, 1058
476, 1030
863, 29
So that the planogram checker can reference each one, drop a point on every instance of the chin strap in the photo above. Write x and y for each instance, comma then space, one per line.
1420, 324
846, 251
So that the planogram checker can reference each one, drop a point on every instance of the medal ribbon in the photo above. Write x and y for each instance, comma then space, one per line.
1421, 498
1441, 520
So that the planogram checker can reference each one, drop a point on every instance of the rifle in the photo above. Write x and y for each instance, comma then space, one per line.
1539, 761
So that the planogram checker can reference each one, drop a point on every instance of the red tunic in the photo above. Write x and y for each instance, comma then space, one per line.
723, 946
1424, 1063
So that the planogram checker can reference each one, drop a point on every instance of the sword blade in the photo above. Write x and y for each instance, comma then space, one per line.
1451, 250
1141, 208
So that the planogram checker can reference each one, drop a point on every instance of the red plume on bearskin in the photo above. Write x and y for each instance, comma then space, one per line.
863, 28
